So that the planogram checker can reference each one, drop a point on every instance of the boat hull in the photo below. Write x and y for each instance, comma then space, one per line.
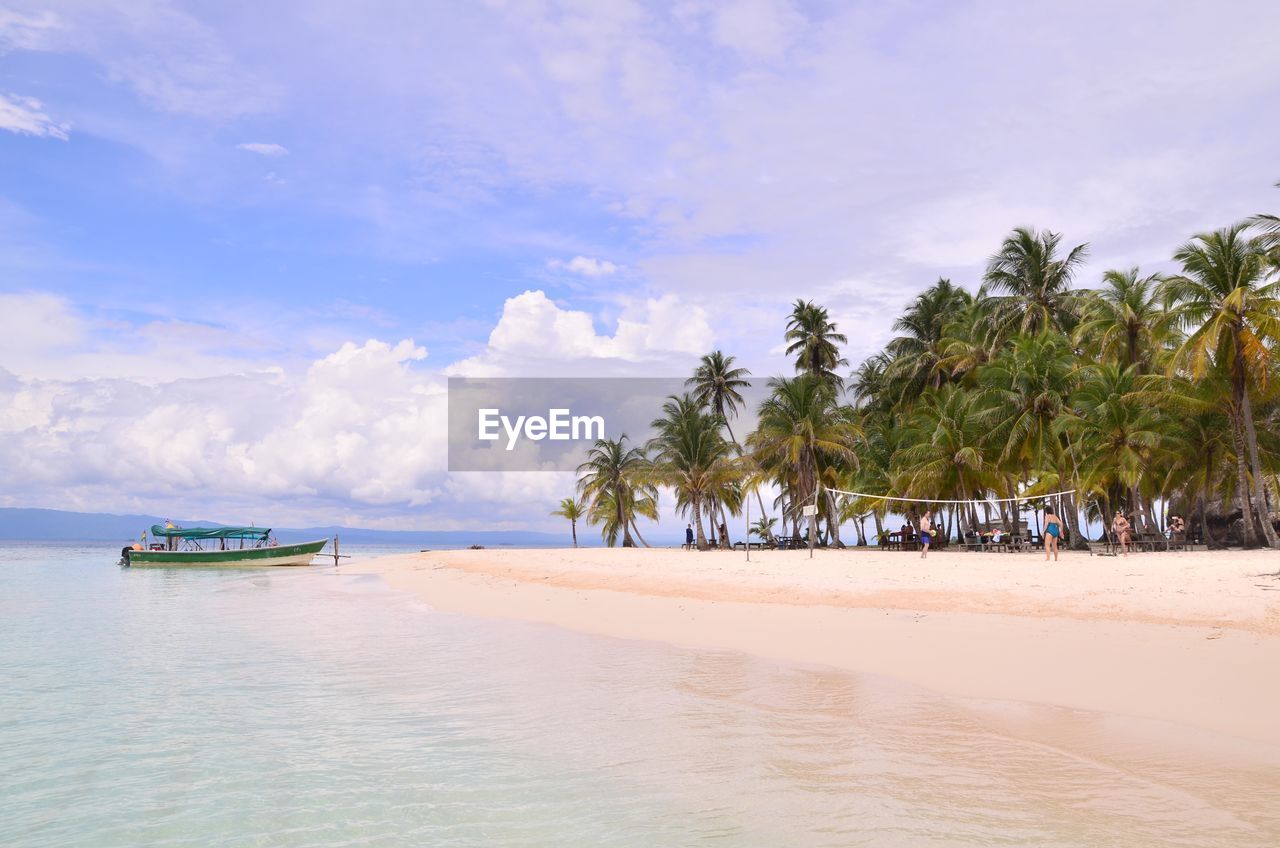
299, 554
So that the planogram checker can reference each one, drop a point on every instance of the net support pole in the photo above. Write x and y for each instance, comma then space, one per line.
813, 525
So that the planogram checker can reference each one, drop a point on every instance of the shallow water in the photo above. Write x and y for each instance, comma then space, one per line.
301, 707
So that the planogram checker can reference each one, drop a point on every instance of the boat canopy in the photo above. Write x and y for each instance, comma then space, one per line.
163, 532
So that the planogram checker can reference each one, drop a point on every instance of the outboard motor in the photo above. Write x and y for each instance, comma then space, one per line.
124, 554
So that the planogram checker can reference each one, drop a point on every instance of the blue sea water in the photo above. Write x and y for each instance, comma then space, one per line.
301, 707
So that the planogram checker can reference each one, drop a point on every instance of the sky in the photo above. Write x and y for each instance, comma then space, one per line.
243, 246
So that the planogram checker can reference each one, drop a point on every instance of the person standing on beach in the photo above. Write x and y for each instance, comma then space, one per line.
688, 538
926, 532
1120, 526
1052, 530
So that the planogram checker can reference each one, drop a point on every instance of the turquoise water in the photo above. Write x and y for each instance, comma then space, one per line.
305, 708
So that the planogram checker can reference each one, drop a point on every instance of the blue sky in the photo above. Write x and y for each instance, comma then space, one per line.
331, 206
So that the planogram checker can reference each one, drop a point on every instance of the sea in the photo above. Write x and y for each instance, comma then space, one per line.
308, 707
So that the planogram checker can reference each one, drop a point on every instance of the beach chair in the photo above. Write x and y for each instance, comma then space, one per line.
972, 541
1153, 541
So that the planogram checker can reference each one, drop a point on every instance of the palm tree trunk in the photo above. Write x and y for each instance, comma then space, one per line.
1249, 540
1071, 514
1106, 514
1204, 514
1150, 505
833, 519
696, 506
1259, 482
574, 525
635, 527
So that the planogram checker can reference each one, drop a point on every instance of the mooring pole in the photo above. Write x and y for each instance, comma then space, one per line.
335, 550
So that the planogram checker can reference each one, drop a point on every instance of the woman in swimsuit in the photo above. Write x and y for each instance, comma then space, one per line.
1120, 526
1052, 529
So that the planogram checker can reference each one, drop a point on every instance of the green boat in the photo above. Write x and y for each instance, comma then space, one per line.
218, 546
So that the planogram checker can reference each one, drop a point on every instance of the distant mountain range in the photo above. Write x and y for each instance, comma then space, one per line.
57, 525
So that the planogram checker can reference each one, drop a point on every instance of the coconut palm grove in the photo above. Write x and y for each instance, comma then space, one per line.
1148, 393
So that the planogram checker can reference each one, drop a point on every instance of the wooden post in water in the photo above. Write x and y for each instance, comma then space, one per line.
335, 550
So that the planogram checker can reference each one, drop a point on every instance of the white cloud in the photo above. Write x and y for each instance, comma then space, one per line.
264, 148
584, 266
25, 32
26, 116
758, 29
171, 59
535, 336
33, 323
356, 436
359, 428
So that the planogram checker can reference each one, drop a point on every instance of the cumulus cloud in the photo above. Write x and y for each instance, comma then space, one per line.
358, 435
264, 148
360, 428
535, 336
584, 266
26, 116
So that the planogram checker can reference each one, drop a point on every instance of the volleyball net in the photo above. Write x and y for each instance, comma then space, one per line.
1047, 496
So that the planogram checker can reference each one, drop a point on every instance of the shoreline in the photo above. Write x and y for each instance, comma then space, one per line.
1187, 638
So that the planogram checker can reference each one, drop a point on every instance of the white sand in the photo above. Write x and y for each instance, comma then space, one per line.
1191, 638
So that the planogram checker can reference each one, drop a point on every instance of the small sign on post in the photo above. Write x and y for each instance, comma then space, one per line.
812, 512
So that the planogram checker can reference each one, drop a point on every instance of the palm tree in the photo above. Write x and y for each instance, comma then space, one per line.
916, 353
1223, 297
1027, 387
1125, 322
868, 386
571, 508
1031, 282
879, 442
1025, 392
946, 453
802, 434
1116, 432
717, 385
970, 339
692, 457
617, 515
815, 343
763, 527
613, 483
1196, 441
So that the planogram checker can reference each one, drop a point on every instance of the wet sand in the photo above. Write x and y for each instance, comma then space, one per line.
1187, 638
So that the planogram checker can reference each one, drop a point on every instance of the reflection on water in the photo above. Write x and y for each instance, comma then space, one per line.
305, 708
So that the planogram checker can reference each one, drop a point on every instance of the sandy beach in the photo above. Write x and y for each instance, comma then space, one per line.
1188, 638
